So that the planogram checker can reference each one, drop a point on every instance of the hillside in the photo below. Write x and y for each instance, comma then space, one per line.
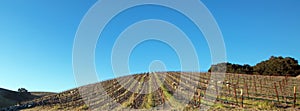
9, 97
181, 91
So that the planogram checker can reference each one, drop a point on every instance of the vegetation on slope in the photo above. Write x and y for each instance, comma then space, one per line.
9, 98
275, 66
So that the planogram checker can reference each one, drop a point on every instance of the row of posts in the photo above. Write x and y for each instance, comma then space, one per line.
246, 86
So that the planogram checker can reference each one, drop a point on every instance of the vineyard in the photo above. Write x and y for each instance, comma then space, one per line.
179, 91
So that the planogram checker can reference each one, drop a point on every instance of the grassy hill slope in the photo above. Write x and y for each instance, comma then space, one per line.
161, 91
9, 98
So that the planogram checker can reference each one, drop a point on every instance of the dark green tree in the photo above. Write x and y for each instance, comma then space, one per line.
275, 66
278, 66
231, 68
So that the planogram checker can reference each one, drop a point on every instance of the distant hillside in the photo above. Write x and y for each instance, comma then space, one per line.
9, 98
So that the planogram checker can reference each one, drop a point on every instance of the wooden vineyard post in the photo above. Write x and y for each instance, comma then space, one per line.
252, 82
244, 82
249, 82
236, 99
242, 97
286, 79
255, 87
247, 90
228, 87
199, 97
238, 79
284, 88
162, 95
216, 85
280, 86
276, 91
195, 100
43, 103
294, 97
261, 91
60, 102
229, 78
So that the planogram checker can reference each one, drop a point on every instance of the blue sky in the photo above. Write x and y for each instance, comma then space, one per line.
36, 38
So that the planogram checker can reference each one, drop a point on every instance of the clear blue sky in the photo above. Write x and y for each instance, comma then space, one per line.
36, 38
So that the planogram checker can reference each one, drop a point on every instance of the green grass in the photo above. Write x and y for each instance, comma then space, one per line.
261, 105
218, 106
6, 102
84, 107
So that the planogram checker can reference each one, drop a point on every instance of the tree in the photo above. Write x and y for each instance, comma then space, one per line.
22, 95
221, 67
231, 68
22, 90
275, 66
278, 66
